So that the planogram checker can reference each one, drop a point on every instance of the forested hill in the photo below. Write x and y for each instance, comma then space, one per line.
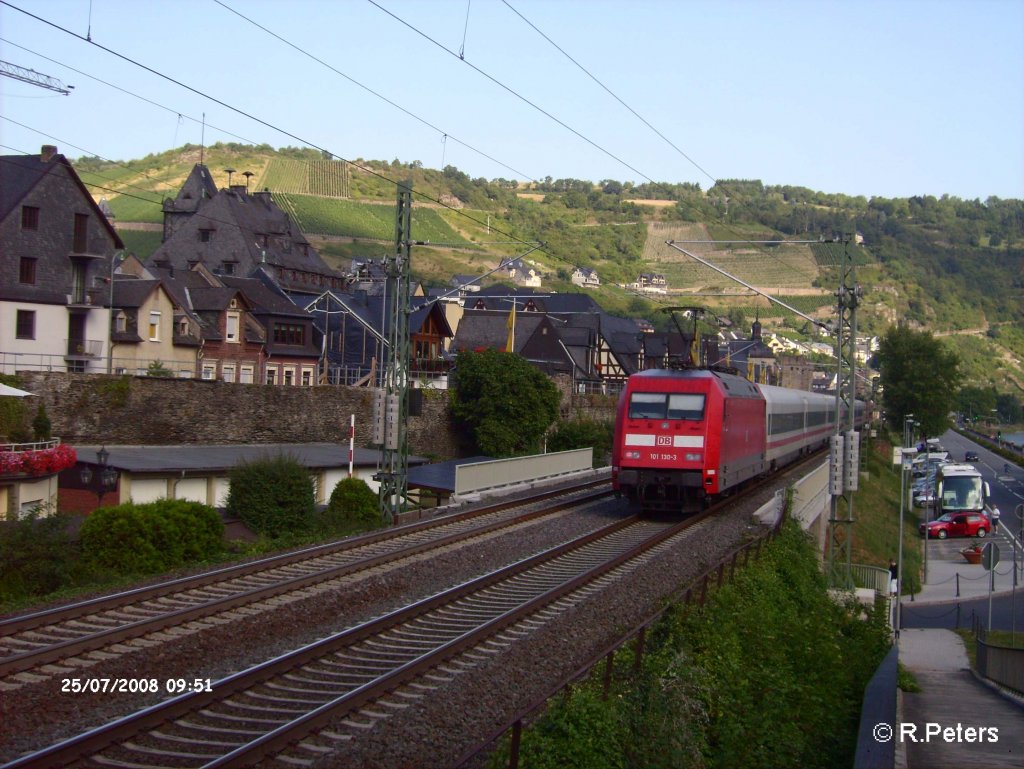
943, 264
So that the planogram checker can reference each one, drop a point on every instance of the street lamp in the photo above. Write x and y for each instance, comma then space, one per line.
106, 479
908, 422
115, 260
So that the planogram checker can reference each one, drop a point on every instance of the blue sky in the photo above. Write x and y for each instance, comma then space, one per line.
895, 98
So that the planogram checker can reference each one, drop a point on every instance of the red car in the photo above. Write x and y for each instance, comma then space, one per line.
957, 525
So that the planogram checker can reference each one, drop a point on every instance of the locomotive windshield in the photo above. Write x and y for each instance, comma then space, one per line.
666, 406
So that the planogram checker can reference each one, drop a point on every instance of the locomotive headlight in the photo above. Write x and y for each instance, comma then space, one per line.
694, 457
632, 455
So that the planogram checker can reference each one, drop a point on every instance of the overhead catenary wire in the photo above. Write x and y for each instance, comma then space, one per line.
512, 91
445, 134
312, 144
636, 114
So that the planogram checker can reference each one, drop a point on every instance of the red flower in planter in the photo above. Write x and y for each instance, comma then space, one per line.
40, 462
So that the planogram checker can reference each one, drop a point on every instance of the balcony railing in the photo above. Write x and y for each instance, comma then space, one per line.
84, 348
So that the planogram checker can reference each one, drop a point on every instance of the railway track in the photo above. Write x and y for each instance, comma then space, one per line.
30, 642
311, 702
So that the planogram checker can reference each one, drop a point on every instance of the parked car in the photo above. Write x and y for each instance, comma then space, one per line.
970, 456
924, 497
956, 525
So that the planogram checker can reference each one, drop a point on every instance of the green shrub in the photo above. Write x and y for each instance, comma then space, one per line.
12, 414
771, 642
152, 537
36, 556
352, 505
272, 496
584, 433
41, 428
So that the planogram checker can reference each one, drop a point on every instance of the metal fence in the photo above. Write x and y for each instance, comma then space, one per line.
873, 577
1000, 664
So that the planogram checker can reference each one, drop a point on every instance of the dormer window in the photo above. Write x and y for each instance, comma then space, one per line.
120, 322
205, 236
228, 268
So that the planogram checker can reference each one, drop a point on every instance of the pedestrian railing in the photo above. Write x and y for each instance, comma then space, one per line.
872, 577
1000, 664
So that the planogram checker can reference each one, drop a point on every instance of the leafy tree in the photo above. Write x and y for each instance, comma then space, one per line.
506, 403
272, 496
976, 402
1010, 409
919, 376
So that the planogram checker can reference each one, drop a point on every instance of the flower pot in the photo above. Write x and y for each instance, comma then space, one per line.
971, 556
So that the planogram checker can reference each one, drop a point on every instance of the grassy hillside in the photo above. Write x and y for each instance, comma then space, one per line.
944, 265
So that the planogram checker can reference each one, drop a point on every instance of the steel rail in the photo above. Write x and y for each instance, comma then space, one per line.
28, 660
277, 739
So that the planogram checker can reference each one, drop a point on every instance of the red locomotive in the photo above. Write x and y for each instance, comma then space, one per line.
683, 437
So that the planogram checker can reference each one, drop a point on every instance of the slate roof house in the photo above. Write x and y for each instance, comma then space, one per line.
234, 232
751, 357
249, 331
151, 328
586, 277
593, 347
56, 253
357, 331
521, 273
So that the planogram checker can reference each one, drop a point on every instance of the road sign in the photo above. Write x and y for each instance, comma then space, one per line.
990, 555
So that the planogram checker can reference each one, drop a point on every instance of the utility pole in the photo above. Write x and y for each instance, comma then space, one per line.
391, 405
33, 78
846, 440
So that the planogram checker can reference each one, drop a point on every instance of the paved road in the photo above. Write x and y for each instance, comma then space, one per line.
954, 594
955, 720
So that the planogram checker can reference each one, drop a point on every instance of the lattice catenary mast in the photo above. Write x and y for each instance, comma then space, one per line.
391, 403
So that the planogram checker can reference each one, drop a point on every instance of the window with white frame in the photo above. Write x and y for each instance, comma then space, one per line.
289, 377
154, 326
231, 334
227, 372
245, 375
271, 375
307, 377
209, 371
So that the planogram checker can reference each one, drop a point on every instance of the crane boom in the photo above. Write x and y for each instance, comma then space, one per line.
35, 78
